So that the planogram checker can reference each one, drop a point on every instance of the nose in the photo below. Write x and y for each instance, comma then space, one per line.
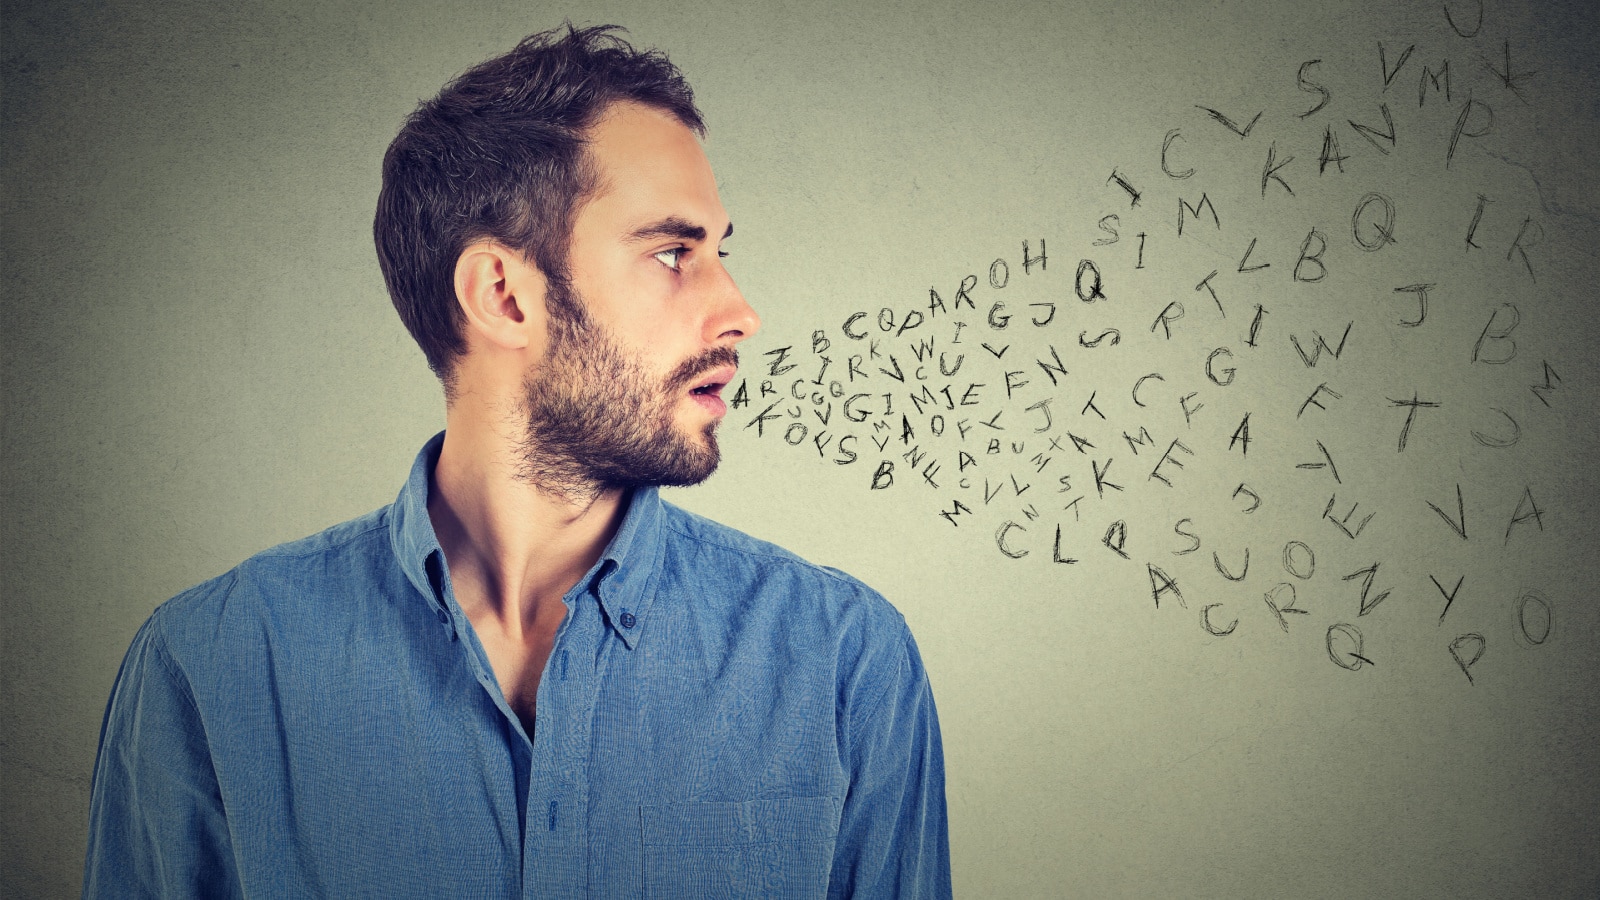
732, 319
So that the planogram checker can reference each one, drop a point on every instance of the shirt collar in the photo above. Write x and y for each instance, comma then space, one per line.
623, 580
410, 529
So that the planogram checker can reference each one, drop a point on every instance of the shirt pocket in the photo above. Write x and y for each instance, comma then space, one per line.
758, 848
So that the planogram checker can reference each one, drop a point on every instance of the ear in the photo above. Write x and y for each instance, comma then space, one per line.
502, 296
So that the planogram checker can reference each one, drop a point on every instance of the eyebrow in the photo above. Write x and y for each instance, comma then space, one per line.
672, 227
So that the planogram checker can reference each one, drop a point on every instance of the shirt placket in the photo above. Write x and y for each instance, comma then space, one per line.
458, 632
556, 839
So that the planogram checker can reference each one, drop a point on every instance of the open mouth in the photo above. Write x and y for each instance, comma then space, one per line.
711, 383
706, 390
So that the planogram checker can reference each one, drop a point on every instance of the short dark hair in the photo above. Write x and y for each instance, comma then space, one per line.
499, 155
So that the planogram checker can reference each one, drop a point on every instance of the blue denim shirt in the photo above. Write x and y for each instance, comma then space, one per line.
718, 718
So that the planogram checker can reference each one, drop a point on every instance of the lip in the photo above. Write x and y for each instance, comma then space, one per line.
706, 390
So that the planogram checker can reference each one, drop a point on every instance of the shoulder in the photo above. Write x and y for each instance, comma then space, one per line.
270, 592
330, 541
734, 555
751, 583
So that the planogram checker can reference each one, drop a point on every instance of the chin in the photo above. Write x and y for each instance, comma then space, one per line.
694, 458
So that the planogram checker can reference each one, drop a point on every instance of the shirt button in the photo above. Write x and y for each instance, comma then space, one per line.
628, 619
444, 617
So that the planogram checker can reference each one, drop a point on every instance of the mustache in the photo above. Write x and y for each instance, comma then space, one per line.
695, 366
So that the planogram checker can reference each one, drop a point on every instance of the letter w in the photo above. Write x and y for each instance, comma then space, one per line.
1319, 345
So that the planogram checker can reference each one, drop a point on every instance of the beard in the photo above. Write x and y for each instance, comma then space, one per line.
595, 420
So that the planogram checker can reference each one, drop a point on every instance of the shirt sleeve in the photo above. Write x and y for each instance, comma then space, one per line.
156, 823
893, 833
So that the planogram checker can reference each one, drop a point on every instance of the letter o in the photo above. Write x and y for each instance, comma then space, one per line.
1525, 637
999, 274
1289, 564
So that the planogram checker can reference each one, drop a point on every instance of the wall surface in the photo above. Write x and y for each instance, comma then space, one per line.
1212, 386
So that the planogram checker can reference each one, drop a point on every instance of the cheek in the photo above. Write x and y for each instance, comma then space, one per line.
641, 311
659, 342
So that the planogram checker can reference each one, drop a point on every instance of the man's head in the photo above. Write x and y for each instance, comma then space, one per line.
551, 217
500, 155
625, 392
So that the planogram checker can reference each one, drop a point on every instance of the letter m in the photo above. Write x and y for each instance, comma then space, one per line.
1429, 75
1205, 203
950, 514
926, 396
1142, 439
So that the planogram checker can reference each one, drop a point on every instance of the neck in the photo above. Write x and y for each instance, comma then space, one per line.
514, 547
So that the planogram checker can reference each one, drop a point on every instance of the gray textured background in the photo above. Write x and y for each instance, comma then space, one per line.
199, 361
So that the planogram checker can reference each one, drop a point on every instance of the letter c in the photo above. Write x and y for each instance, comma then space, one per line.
1167, 145
851, 321
1140, 383
1000, 541
1205, 622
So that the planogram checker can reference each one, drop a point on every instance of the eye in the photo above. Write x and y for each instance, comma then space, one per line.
672, 257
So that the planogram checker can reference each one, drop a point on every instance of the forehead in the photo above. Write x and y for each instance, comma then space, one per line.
649, 166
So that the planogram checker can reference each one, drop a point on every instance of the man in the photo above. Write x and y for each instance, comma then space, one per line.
530, 676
